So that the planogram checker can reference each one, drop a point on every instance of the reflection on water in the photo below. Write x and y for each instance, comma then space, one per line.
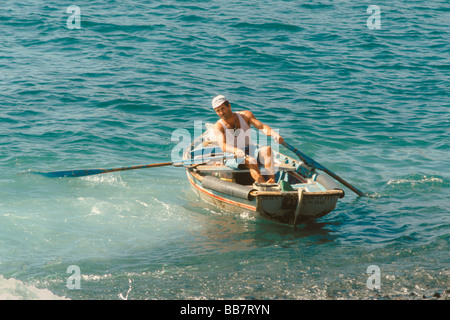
217, 229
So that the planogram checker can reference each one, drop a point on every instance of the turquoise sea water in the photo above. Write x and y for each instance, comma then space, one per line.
372, 105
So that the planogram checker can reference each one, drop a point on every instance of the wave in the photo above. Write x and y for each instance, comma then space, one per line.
277, 26
13, 289
418, 182
413, 182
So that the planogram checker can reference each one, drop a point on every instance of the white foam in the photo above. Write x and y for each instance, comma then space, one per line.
106, 178
13, 289
413, 182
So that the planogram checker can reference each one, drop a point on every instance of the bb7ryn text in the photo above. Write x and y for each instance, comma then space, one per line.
228, 309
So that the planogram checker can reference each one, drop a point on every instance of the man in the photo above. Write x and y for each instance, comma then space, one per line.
233, 136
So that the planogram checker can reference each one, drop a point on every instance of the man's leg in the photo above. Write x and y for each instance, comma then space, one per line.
254, 169
266, 156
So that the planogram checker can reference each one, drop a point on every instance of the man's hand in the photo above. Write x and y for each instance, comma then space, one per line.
278, 139
239, 153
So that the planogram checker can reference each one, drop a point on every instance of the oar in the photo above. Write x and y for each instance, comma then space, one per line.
89, 172
312, 163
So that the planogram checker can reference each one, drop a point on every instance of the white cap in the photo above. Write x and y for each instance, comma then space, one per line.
217, 101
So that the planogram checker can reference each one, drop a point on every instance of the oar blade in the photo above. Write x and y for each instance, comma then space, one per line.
70, 173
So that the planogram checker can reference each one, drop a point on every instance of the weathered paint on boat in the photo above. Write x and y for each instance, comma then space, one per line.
219, 199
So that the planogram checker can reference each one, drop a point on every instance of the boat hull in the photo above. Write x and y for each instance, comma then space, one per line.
292, 208
285, 208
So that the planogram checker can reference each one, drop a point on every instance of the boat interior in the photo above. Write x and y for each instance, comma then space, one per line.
291, 172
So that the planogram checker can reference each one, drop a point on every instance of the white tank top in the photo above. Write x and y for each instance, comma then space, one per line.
240, 137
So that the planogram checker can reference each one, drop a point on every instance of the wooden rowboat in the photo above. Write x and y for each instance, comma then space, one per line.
299, 194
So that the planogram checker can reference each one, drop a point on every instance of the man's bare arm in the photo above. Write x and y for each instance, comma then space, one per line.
221, 141
263, 127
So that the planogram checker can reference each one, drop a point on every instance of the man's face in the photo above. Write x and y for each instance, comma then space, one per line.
224, 111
